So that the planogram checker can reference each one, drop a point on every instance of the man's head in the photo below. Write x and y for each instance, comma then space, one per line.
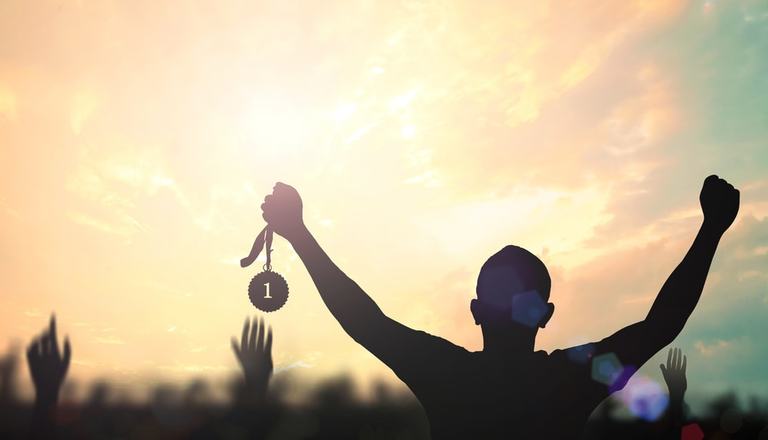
512, 293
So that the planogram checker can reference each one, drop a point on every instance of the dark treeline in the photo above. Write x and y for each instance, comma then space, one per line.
332, 410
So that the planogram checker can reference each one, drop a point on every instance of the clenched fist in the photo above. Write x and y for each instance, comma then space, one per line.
719, 202
282, 211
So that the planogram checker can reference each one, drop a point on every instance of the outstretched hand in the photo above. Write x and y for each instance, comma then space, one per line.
674, 373
47, 364
719, 202
282, 210
254, 353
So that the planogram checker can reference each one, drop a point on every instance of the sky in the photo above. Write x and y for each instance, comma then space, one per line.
138, 139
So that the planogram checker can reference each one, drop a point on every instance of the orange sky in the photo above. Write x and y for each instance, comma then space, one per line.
137, 141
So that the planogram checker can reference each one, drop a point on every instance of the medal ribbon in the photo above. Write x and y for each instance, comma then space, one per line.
264, 237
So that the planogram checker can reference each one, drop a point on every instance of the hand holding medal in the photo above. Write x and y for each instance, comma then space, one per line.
281, 210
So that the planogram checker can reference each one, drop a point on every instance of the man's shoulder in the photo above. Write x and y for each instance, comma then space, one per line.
424, 358
576, 367
572, 361
420, 347
438, 343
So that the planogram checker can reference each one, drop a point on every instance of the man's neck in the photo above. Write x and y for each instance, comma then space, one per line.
502, 344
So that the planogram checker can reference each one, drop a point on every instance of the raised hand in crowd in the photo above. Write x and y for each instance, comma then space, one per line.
48, 367
254, 353
674, 374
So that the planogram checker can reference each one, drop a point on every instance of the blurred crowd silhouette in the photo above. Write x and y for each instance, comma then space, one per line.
257, 408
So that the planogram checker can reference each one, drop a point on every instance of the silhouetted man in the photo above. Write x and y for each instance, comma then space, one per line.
508, 390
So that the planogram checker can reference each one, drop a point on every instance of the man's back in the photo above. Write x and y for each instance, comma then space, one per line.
482, 395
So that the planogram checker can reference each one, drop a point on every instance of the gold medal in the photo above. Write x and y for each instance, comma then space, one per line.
268, 290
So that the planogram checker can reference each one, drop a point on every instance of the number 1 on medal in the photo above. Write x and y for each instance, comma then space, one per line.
267, 294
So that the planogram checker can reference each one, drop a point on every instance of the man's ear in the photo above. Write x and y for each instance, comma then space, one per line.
476, 309
547, 315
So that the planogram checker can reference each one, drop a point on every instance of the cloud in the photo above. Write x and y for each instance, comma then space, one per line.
109, 340
7, 103
115, 184
641, 121
125, 227
10, 211
83, 107
292, 366
713, 348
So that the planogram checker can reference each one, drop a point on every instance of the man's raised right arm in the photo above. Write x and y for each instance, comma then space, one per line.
357, 313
